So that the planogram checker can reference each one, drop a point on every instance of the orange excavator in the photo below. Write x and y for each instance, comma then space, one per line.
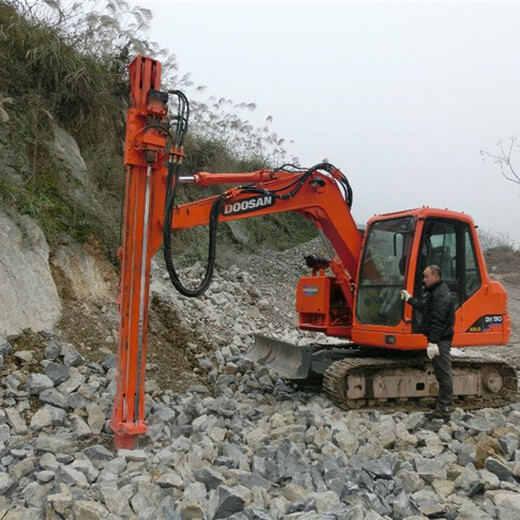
353, 293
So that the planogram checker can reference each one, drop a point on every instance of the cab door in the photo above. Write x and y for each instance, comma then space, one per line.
449, 245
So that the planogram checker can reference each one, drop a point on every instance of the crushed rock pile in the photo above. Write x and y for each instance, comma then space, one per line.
244, 445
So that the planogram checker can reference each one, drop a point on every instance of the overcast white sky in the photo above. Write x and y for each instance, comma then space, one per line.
401, 96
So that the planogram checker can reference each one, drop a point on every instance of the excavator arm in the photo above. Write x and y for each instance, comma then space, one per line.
319, 198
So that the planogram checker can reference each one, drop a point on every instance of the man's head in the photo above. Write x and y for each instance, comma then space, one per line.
431, 275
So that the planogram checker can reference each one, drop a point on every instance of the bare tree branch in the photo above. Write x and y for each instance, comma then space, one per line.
503, 159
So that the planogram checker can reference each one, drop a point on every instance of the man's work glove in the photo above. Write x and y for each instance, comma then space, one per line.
432, 350
405, 295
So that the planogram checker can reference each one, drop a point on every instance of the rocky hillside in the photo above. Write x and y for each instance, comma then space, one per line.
225, 439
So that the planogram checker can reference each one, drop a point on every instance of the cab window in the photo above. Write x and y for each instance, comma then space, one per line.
383, 268
472, 280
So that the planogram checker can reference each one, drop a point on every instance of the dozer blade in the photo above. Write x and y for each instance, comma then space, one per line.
284, 359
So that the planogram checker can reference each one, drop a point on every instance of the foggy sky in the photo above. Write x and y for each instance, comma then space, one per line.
400, 96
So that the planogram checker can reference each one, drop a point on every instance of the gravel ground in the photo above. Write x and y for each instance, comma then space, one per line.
229, 440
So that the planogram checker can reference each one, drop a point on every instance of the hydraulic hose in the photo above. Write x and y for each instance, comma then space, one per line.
181, 123
171, 189
212, 248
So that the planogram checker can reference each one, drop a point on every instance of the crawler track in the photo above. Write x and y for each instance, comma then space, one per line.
406, 384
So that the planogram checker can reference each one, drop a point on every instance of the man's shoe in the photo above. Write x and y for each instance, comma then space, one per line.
439, 413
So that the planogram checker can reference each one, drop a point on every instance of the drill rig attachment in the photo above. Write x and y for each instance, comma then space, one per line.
144, 157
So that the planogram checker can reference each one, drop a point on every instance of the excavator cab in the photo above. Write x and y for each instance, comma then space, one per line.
396, 250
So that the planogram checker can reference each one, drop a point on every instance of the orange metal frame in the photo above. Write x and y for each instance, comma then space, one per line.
144, 158
319, 200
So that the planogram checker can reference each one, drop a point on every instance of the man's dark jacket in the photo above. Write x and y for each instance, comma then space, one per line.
438, 312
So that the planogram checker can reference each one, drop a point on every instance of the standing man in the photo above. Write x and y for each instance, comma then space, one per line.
437, 325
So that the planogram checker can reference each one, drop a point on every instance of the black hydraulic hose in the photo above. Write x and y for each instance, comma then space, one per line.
212, 248
171, 189
298, 183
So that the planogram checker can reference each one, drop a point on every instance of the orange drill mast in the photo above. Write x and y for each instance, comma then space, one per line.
144, 158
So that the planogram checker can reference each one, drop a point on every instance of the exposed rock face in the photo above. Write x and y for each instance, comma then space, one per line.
29, 299
66, 149
83, 272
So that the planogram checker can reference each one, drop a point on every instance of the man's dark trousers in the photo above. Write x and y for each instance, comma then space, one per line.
442, 368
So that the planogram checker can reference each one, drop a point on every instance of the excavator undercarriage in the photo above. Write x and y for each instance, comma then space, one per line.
406, 384
357, 378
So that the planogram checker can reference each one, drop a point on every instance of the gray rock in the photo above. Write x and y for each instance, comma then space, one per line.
481, 424
224, 503
15, 421
5, 432
62, 443
96, 418
52, 350
88, 509
22, 468
251, 480
194, 492
48, 462
54, 397
7, 484
190, 511
428, 503
430, 469
77, 401
33, 495
98, 452
134, 455
71, 357
381, 468
36, 383
169, 479
71, 476
5, 347
24, 355
509, 444
86, 467
29, 296
468, 480
50, 415
57, 372
41, 419
117, 500
470, 511
507, 503
499, 469
209, 477
109, 362
76, 378
11, 382
44, 476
